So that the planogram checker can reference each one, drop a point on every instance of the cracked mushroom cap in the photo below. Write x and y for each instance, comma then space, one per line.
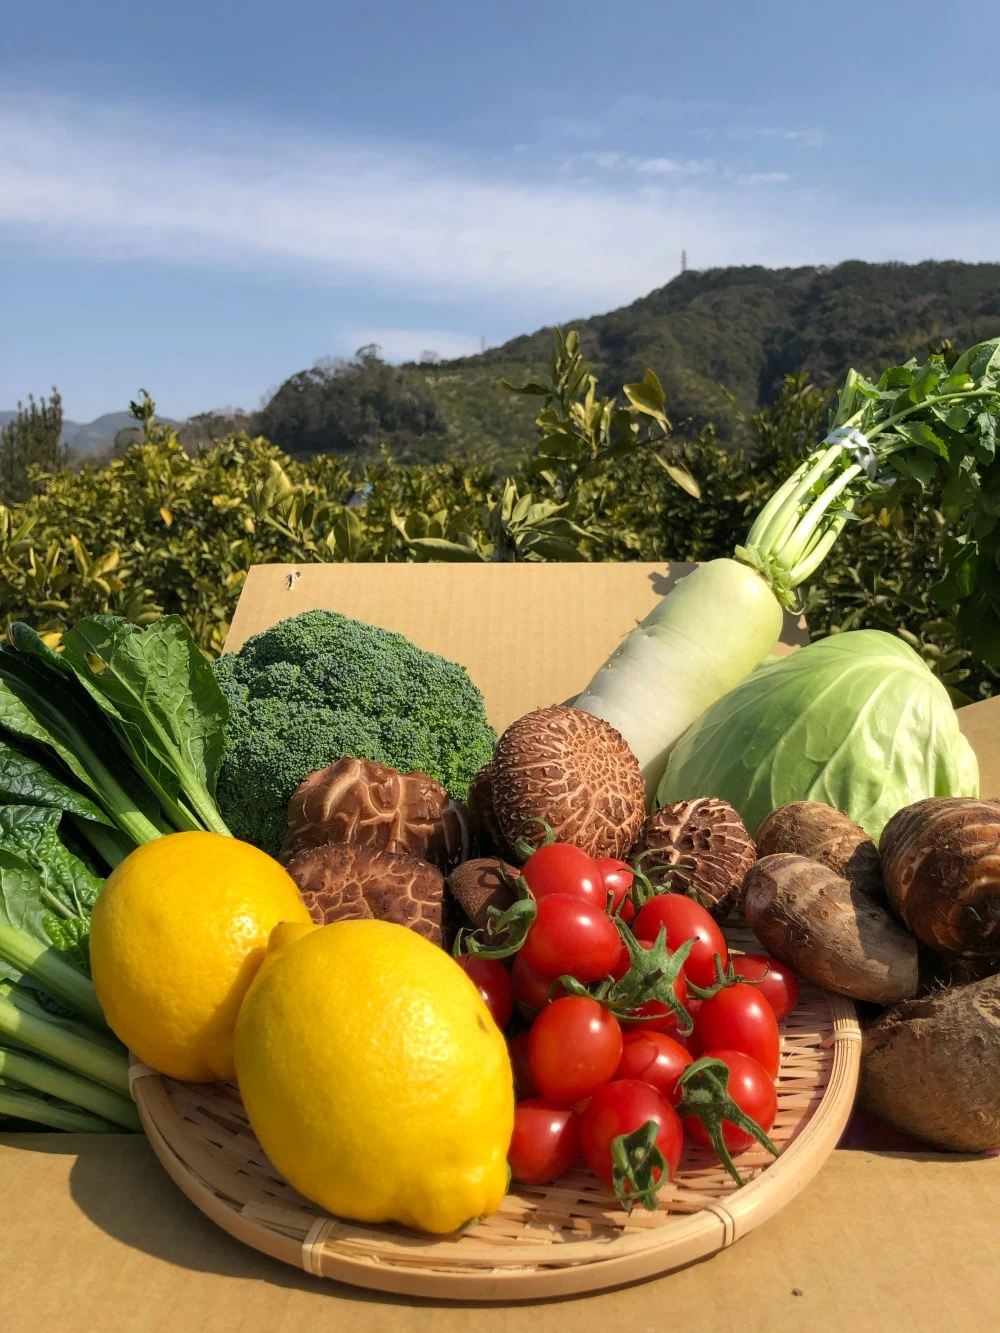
704, 845
345, 881
574, 771
357, 800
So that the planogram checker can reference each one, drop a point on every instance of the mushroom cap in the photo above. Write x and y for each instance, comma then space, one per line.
941, 869
479, 885
357, 800
344, 881
576, 772
705, 846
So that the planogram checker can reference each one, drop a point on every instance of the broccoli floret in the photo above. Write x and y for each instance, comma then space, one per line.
320, 686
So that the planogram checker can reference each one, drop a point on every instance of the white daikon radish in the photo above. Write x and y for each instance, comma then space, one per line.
703, 638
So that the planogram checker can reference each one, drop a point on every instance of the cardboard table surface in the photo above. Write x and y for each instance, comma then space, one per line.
94, 1236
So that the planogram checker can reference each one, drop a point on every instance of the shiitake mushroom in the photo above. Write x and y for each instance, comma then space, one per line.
360, 801
480, 884
701, 845
343, 881
575, 772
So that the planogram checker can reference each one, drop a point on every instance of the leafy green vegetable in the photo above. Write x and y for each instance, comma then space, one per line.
920, 426
50, 892
41, 702
135, 716
857, 721
32, 832
161, 694
25, 781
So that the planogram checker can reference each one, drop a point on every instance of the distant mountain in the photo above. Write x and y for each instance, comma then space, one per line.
93, 437
720, 341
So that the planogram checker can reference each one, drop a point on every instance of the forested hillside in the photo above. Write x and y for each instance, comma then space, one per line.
720, 341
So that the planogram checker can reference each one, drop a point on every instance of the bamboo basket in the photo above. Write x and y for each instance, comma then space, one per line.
552, 1240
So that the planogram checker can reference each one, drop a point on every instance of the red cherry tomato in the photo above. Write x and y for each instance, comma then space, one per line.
621, 1108
493, 982
774, 980
574, 1048
618, 877
684, 919
531, 989
657, 1015
738, 1019
560, 867
653, 1058
752, 1089
545, 1142
524, 1084
571, 937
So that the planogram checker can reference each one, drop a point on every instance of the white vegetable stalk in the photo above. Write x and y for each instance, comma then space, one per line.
709, 632
715, 626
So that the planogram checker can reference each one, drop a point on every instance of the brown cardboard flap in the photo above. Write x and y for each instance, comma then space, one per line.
529, 634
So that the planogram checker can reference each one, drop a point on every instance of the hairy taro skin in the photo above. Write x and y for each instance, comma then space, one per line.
358, 800
941, 865
931, 1067
816, 830
701, 845
828, 931
574, 771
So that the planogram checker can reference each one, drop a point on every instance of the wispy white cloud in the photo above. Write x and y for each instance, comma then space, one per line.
614, 160
763, 178
802, 138
120, 183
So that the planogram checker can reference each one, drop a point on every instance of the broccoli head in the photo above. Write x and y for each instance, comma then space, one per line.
320, 686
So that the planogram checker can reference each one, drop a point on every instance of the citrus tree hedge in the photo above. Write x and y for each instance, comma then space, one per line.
161, 530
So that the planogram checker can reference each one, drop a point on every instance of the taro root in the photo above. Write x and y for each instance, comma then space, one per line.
941, 866
829, 931
487, 834
810, 828
357, 800
930, 1067
479, 885
701, 845
342, 881
575, 772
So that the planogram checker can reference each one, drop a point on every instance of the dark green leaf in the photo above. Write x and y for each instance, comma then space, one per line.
32, 833
159, 687
25, 781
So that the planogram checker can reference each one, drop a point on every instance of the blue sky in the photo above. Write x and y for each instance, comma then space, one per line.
201, 198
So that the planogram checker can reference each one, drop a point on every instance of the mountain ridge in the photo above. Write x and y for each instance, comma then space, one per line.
719, 339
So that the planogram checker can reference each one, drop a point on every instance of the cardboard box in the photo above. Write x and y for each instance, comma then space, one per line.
94, 1236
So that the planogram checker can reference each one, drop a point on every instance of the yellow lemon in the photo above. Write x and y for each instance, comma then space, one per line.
375, 1077
178, 932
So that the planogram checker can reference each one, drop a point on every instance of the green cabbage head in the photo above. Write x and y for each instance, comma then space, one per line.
857, 721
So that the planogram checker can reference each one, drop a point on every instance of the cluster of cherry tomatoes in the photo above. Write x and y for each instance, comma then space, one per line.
641, 1025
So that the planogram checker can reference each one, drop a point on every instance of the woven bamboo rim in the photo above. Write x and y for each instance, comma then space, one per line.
553, 1240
